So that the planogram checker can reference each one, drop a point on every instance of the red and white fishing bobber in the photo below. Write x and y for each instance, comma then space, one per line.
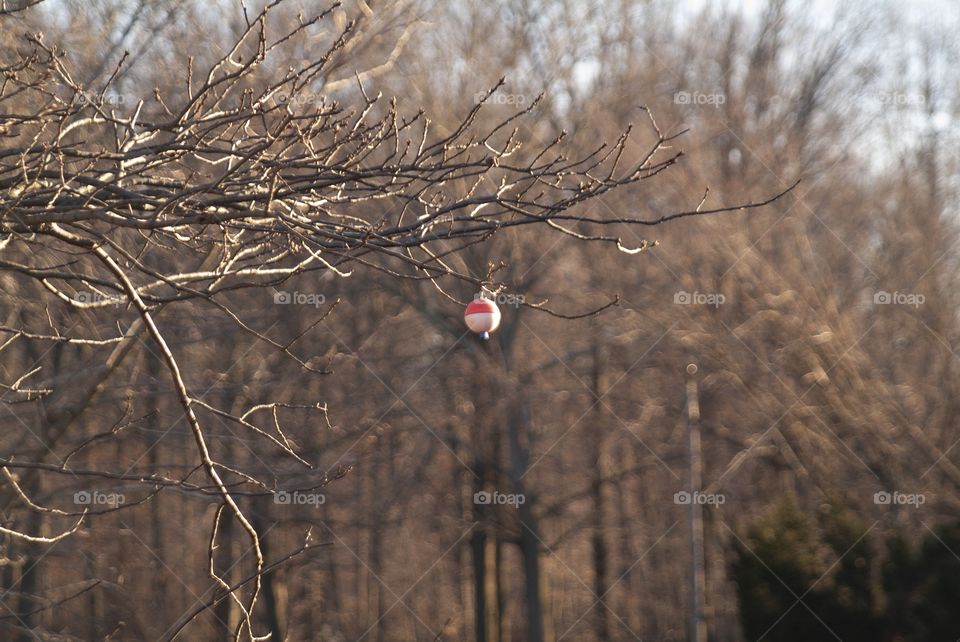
482, 316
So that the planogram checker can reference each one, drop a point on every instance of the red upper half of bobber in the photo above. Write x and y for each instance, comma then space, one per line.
481, 306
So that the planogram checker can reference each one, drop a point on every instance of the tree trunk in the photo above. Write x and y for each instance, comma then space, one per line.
698, 624
486, 586
598, 544
529, 533
270, 601
485, 436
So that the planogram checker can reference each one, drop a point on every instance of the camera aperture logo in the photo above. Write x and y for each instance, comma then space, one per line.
496, 498
699, 298
896, 498
97, 498
685, 498
297, 498
283, 297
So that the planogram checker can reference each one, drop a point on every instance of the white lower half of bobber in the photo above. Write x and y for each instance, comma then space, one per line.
483, 321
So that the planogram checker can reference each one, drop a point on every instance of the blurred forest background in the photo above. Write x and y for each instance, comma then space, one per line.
824, 328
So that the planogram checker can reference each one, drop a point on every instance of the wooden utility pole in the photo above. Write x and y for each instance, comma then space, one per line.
698, 622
